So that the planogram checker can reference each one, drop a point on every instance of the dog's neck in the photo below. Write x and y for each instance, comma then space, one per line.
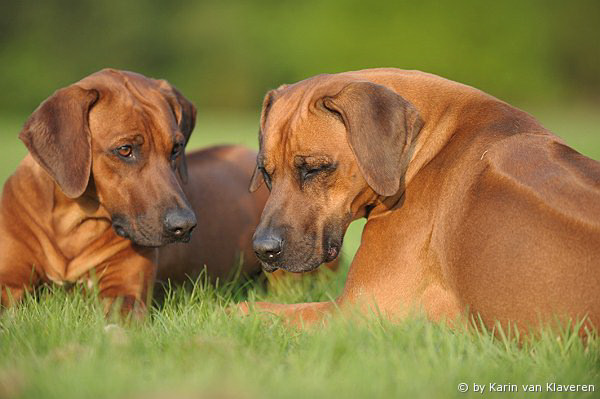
71, 213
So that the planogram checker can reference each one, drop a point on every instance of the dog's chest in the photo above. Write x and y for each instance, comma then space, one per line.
81, 241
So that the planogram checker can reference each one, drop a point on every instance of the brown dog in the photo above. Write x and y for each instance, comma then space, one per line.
100, 191
473, 207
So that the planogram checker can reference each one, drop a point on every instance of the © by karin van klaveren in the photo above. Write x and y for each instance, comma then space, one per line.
547, 387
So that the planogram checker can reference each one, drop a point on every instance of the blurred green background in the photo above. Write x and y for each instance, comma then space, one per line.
542, 56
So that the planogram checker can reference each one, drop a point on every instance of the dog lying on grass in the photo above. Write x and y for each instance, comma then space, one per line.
473, 208
107, 182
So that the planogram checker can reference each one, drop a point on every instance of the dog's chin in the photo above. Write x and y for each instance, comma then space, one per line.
159, 241
146, 236
268, 267
293, 266
146, 240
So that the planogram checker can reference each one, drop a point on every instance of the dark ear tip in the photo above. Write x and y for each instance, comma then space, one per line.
386, 193
73, 194
385, 190
73, 188
254, 186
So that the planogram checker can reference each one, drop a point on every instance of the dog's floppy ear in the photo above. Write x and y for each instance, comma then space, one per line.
381, 126
185, 114
256, 180
257, 177
57, 135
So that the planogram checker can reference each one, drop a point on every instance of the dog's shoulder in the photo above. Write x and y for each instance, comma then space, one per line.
543, 169
30, 184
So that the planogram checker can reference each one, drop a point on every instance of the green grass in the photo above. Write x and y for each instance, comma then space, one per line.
56, 344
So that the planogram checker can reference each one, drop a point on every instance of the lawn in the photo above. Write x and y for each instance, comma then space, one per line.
59, 345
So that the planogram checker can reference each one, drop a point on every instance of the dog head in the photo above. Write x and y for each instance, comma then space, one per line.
120, 136
329, 146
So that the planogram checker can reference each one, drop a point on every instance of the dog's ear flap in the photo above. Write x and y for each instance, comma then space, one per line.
381, 126
257, 177
185, 114
57, 135
256, 181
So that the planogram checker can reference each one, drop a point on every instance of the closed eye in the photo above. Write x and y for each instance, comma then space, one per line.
308, 172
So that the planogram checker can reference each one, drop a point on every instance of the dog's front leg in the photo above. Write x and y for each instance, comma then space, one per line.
298, 314
126, 281
16, 278
19, 271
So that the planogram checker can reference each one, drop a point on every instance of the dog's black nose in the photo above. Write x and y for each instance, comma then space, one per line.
268, 248
180, 222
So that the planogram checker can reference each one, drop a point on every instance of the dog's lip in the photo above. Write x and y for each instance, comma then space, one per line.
138, 240
332, 252
268, 268
184, 238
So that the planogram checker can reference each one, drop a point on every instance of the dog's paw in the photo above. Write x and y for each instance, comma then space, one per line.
116, 334
124, 308
238, 309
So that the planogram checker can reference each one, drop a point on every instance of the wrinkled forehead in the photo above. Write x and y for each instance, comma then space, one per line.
295, 124
129, 103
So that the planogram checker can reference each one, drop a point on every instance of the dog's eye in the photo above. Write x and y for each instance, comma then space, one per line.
308, 172
124, 151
